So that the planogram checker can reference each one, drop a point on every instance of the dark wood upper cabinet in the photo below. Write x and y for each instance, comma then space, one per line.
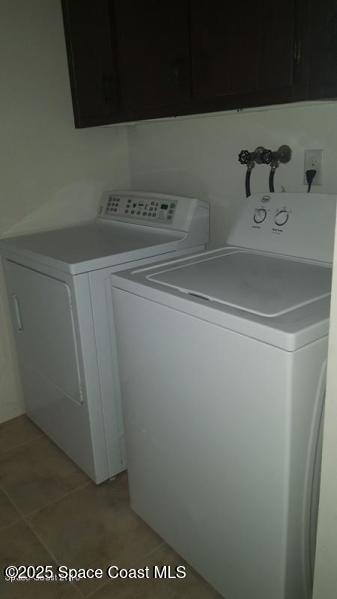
323, 45
153, 56
130, 60
91, 52
244, 55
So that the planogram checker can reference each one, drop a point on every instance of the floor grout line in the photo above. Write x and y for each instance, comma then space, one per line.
99, 588
25, 519
28, 520
152, 551
32, 513
19, 513
58, 500
35, 534
13, 503
20, 445
37, 434
110, 582
3, 528
50, 552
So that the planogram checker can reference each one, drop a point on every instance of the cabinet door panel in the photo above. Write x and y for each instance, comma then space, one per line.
91, 57
323, 49
245, 52
280, 50
153, 54
226, 43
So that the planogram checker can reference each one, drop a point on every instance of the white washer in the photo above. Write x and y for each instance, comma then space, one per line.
60, 296
222, 368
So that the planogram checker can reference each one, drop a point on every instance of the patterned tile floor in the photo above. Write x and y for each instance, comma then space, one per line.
52, 514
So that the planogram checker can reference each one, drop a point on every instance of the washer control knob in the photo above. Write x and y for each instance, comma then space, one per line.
281, 218
260, 215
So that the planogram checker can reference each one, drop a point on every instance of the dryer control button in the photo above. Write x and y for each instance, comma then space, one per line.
260, 215
281, 218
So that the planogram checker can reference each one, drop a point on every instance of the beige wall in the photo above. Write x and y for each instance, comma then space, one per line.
50, 174
199, 155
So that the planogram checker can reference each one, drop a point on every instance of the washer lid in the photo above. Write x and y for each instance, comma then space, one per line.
261, 284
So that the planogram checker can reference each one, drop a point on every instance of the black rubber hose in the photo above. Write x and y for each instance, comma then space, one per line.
247, 182
271, 180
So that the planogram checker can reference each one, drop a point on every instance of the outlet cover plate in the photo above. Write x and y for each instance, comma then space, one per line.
313, 160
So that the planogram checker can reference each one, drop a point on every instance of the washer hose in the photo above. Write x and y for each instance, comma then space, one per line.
247, 181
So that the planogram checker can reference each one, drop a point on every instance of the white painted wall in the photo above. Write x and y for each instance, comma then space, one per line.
50, 173
199, 155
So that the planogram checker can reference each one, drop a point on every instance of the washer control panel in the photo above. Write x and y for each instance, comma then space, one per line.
294, 224
269, 215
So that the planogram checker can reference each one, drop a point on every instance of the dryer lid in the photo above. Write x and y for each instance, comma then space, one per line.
258, 283
90, 246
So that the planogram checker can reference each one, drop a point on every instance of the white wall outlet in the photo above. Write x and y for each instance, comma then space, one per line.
313, 160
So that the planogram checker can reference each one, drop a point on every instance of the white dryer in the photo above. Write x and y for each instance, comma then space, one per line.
222, 367
60, 296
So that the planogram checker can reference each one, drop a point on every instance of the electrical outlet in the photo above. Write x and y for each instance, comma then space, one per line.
313, 160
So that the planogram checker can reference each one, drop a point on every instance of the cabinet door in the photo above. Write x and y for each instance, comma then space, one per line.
226, 42
91, 57
153, 56
244, 54
282, 65
323, 49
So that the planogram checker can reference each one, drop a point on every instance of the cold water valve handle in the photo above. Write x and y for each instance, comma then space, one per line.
247, 158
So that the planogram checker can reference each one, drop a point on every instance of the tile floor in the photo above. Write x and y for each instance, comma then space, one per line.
51, 513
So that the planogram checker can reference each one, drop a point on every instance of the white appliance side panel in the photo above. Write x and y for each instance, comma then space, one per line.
308, 391
106, 411
95, 441
207, 426
50, 360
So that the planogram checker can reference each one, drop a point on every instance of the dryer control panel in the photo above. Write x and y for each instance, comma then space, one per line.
151, 209
294, 224
142, 208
